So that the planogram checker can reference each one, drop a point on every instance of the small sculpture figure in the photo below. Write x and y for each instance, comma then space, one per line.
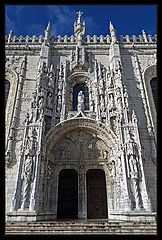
59, 101
49, 101
80, 101
28, 169
104, 154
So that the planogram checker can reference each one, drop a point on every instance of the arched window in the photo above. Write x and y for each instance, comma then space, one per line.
7, 89
153, 84
77, 88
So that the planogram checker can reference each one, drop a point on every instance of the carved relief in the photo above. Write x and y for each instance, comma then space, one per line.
28, 167
134, 168
80, 146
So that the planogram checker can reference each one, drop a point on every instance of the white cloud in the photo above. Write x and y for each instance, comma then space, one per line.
10, 25
90, 26
36, 29
62, 18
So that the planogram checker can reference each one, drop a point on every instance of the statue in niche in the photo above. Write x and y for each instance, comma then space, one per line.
119, 100
80, 101
40, 92
33, 103
100, 88
28, 168
134, 169
112, 168
49, 101
40, 107
111, 101
104, 154
114, 124
59, 101
51, 80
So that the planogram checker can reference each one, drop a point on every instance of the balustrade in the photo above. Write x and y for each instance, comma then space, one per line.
88, 39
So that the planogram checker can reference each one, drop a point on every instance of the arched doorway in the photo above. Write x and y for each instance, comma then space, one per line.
96, 194
67, 194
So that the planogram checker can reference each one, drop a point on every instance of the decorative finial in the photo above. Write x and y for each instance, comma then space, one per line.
79, 20
111, 26
47, 33
144, 35
143, 32
79, 29
10, 36
49, 26
112, 33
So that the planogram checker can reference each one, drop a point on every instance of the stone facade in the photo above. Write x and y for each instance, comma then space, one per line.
82, 103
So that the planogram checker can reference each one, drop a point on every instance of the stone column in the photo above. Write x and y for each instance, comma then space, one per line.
82, 207
54, 195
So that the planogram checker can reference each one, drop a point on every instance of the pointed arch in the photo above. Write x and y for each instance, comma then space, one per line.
150, 78
12, 77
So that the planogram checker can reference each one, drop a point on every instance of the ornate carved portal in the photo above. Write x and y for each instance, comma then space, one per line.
78, 165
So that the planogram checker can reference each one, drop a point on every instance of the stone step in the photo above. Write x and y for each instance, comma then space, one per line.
81, 228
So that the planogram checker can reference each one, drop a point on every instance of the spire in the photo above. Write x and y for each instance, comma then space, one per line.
79, 28
49, 26
10, 36
111, 26
112, 33
47, 33
144, 36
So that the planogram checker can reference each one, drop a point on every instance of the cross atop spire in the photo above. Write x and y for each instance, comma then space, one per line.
79, 16
79, 28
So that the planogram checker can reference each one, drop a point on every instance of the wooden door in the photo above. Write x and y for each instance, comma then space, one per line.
68, 194
96, 194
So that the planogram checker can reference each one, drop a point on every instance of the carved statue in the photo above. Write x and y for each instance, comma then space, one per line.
40, 106
104, 154
51, 80
134, 169
49, 101
33, 103
114, 124
80, 101
112, 168
28, 168
111, 101
59, 103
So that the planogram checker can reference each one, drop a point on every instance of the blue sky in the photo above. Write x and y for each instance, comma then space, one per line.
127, 19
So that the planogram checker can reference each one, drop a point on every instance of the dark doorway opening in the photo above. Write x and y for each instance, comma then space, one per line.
96, 194
68, 194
